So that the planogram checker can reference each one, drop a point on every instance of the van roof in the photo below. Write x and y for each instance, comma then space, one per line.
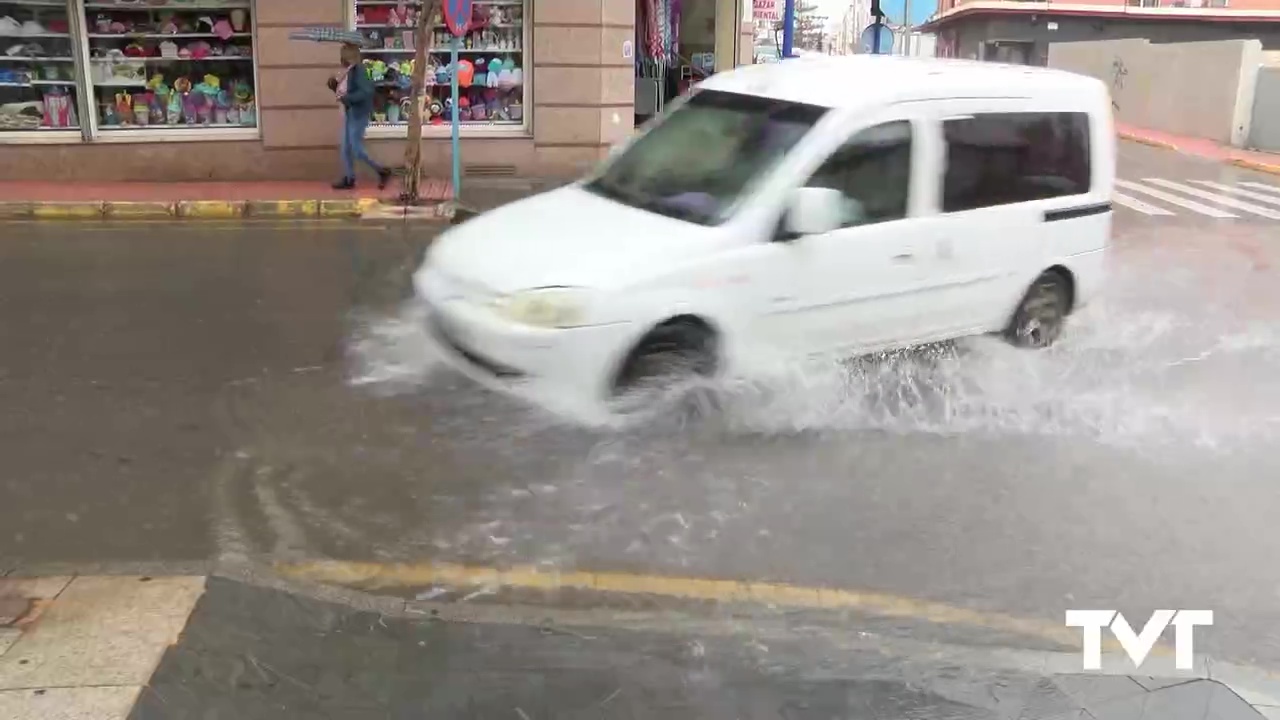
848, 81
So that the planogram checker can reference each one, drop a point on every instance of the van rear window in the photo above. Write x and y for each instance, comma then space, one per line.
1004, 158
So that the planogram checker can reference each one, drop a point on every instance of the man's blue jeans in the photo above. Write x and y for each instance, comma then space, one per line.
353, 127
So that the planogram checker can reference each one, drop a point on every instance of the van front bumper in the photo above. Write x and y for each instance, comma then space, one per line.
502, 354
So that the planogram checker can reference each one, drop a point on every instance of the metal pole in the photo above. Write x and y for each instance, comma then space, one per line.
875, 37
453, 89
906, 28
788, 28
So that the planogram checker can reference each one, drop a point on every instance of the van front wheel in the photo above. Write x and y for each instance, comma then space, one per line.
1040, 317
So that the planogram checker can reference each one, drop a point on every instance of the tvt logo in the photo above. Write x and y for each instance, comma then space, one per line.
1139, 645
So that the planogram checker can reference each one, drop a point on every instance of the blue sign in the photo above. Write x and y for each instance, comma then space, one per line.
867, 42
457, 16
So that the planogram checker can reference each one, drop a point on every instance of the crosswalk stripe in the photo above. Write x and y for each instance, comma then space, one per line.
1215, 197
1262, 186
1135, 204
1174, 199
1260, 197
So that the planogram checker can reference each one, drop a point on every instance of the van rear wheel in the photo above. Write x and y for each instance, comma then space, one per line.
1041, 315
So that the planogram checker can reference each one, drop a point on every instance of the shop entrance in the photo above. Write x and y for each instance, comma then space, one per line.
678, 43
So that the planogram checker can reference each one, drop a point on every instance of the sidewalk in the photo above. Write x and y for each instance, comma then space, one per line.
1200, 147
117, 647
211, 200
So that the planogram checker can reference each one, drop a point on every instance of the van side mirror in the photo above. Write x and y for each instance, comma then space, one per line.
815, 210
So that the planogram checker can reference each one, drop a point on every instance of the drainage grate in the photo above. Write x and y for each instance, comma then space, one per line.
489, 170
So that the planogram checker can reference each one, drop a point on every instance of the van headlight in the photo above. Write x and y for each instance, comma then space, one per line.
552, 307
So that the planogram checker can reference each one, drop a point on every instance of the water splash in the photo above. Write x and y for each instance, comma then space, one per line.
1117, 376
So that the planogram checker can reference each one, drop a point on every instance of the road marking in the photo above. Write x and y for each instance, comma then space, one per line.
1215, 197
376, 576
1135, 204
1174, 199
1262, 186
1260, 197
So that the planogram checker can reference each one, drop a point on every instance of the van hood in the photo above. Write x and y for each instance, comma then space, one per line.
566, 237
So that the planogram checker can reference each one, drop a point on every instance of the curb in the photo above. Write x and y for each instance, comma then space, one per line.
1143, 140
203, 210
1256, 166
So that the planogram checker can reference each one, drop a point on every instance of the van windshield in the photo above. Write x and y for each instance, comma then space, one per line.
697, 162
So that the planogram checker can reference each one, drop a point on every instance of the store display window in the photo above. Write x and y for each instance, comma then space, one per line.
37, 67
184, 65
491, 66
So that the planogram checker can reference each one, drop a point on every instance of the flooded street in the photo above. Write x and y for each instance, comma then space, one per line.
267, 393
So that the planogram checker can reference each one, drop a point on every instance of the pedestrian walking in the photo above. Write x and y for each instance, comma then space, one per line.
354, 90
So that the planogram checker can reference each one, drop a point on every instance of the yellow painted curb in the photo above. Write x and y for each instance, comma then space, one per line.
347, 208
282, 208
67, 211
215, 209
375, 576
15, 210
1258, 166
138, 210
1147, 141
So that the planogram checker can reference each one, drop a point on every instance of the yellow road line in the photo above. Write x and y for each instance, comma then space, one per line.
374, 576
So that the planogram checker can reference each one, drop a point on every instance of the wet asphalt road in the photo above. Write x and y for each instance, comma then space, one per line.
182, 394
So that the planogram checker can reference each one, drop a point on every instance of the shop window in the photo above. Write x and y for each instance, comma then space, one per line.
37, 67
185, 65
491, 71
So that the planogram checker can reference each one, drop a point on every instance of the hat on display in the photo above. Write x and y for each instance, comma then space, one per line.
169, 49
466, 73
222, 29
9, 26
31, 27
184, 53
238, 18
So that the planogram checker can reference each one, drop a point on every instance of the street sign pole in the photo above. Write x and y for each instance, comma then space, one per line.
878, 16
788, 28
454, 138
457, 18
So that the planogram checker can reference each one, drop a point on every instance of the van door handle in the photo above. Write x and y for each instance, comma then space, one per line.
904, 257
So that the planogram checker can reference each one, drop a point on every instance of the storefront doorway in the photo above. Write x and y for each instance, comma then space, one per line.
678, 43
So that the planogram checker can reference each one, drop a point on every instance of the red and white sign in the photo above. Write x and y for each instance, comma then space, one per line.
766, 10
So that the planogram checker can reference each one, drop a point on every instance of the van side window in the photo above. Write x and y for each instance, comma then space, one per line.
1003, 158
873, 170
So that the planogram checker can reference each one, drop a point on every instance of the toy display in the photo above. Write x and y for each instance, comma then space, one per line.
490, 77
167, 63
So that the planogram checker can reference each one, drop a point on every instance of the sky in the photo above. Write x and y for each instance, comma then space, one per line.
920, 9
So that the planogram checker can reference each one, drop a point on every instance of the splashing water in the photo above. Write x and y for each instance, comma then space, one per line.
1116, 376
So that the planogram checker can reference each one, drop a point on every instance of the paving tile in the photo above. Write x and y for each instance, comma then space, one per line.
1092, 690
1255, 686
1224, 704
37, 587
1155, 683
1268, 712
1119, 664
8, 636
101, 631
93, 703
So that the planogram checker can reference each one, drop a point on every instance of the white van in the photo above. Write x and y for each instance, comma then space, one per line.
826, 205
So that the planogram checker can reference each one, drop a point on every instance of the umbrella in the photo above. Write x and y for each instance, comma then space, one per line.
330, 34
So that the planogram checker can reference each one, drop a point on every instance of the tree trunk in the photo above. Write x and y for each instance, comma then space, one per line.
413, 148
